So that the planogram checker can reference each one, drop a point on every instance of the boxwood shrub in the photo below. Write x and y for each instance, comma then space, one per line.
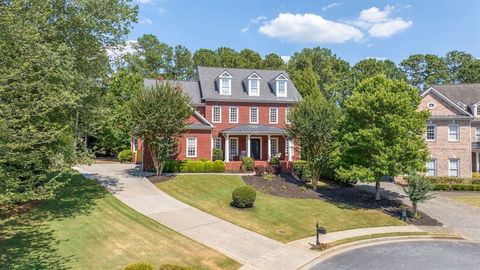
247, 164
125, 155
139, 266
218, 166
173, 267
208, 166
244, 197
457, 187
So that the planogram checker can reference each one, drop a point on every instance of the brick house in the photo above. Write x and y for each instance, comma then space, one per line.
453, 130
241, 111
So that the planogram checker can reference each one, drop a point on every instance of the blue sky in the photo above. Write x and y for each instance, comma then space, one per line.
353, 30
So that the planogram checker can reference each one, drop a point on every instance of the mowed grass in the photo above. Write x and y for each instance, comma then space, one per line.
87, 228
283, 219
473, 200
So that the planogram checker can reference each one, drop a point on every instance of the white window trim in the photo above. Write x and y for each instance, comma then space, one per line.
187, 154
250, 87
458, 167
213, 114
434, 133
229, 86
477, 134
230, 148
250, 115
269, 114
276, 88
434, 167
276, 146
230, 114
216, 138
289, 147
458, 133
287, 112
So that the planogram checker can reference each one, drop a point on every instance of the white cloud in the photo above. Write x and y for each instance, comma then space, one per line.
145, 21
285, 58
389, 28
379, 23
332, 5
121, 50
252, 22
309, 28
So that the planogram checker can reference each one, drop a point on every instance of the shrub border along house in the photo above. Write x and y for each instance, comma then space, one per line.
445, 183
194, 166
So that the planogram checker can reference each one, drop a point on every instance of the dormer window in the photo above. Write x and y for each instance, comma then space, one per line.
281, 86
254, 85
225, 83
477, 110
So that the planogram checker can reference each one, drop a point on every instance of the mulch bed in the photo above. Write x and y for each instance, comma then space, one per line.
285, 185
161, 178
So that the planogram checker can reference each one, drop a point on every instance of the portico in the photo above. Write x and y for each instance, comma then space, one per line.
260, 142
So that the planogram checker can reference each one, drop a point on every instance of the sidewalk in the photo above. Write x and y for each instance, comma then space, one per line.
253, 250
335, 236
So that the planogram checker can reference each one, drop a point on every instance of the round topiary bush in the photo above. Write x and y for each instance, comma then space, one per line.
125, 155
218, 166
139, 266
244, 197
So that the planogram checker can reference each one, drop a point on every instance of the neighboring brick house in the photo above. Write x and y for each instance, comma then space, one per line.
453, 130
241, 111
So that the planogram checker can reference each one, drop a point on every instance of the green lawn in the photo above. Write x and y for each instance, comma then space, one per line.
282, 219
87, 228
473, 200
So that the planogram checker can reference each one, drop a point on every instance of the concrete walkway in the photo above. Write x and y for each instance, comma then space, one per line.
335, 236
253, 250
458, 217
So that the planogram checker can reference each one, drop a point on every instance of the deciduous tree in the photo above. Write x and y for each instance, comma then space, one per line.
159, 115
418, 190
370, 67
273, 61
425, 69
381, 133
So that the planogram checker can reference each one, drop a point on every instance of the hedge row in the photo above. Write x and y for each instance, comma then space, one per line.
457, 187
453, 180
193, 166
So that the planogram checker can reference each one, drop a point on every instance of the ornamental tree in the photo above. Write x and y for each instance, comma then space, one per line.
418, 190
314, 121
381, 132
159, 116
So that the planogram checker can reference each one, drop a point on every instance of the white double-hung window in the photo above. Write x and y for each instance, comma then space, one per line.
431, 167
273, 115
233, 116
216, 143
254, 85
431, 132
216, 114
281, 85
273, 146
289, 147
453, 132
253, 115
233, 147
287, 112
454, 167
191, 147
477, 134
225, 83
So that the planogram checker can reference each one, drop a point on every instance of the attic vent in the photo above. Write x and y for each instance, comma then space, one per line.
431, 105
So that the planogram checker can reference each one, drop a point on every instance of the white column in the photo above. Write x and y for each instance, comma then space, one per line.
477, 162
227, 149
248, 145
290, 149
269, 143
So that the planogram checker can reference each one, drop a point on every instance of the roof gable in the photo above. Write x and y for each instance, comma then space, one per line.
439, 105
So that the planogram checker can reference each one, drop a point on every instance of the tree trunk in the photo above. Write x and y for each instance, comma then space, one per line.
156, 162
377, 190
414, 206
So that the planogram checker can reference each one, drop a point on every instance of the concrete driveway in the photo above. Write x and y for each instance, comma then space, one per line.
253, 250
457, 216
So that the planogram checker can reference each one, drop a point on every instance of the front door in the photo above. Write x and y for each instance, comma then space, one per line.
255, 149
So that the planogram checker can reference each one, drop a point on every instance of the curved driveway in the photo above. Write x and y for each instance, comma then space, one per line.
422, 255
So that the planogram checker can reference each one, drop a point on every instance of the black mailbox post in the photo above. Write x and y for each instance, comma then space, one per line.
320, 230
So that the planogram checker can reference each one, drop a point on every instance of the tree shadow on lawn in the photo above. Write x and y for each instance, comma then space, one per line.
28, 242
343, 197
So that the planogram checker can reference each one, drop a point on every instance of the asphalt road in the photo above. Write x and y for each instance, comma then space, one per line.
422, 255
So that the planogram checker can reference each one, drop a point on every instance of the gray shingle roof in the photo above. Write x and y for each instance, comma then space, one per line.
198, 126
191, 88
209, 90
468, 94
255, 129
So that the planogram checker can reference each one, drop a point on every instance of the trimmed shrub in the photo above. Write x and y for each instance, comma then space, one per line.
200, 166
139, 266
208, 166
275, 161
247, 164
244, 197
457, 187
449, 180
476, 175
173, 267
218, 166
172, 166
217, 154
259, 170
125, 155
